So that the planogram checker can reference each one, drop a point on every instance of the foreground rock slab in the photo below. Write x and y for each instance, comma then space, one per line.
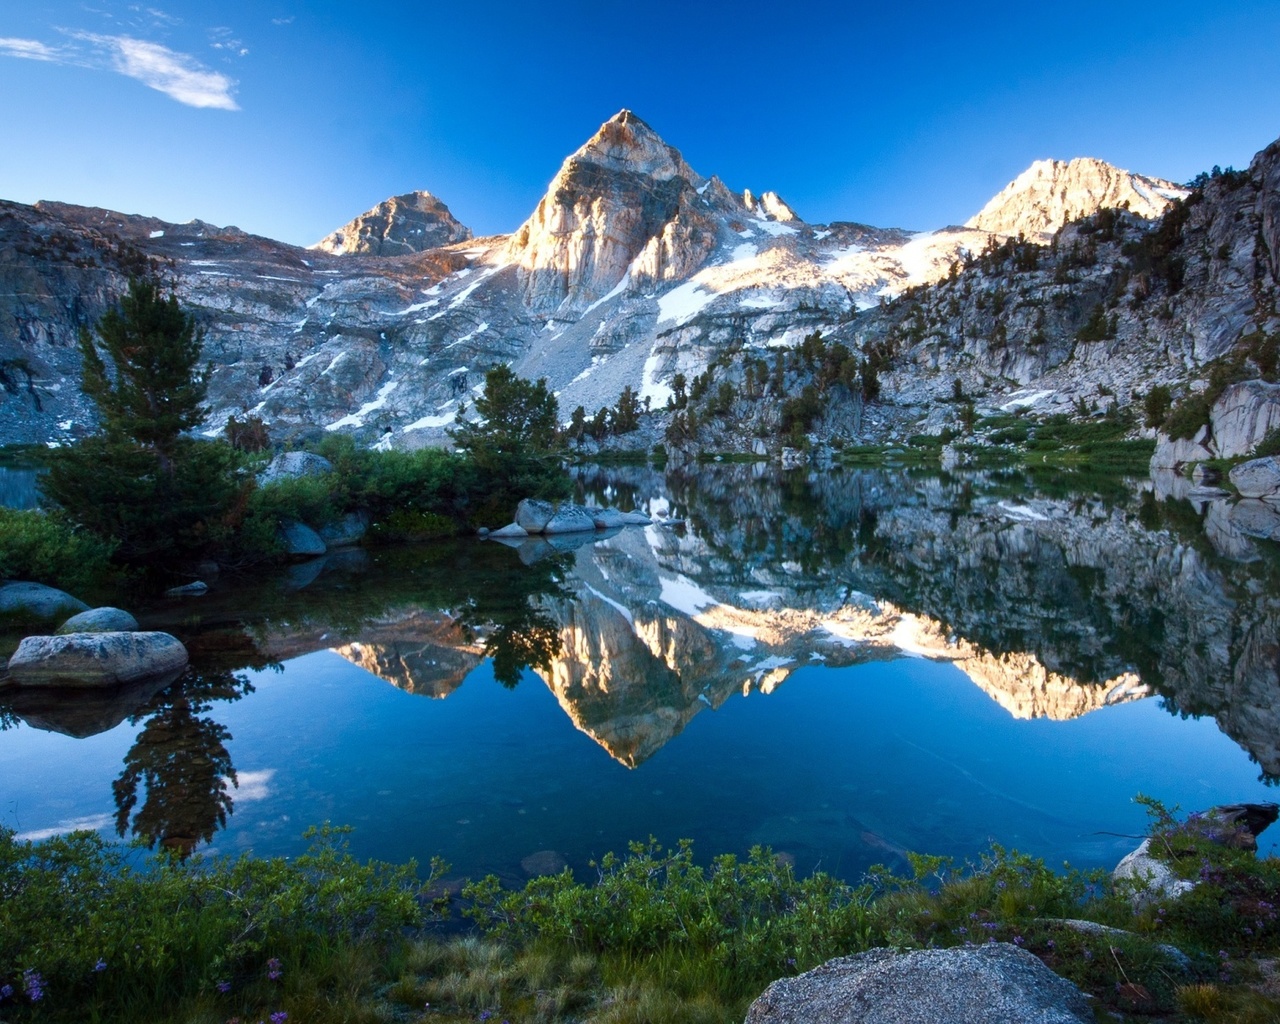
95, 659
963, 985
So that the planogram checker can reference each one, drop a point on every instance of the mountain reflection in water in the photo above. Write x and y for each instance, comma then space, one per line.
1056, 597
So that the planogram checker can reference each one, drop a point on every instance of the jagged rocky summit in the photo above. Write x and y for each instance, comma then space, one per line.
634, 268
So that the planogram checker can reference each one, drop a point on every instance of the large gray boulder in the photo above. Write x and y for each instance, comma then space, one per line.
570, 519
634, 518
608, 518
348, 530
95, 659
533, 514
290, 465
300, 541
36, 601
963, 985
1257, 478
1148, 879
99, 620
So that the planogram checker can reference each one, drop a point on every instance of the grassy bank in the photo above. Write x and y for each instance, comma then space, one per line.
655, 936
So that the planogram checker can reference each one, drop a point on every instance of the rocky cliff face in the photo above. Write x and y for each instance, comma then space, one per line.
1050, 193
405, 224
633, 268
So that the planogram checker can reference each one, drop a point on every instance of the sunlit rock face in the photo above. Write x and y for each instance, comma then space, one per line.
1051, 192
413, 222
625, 202
427, 653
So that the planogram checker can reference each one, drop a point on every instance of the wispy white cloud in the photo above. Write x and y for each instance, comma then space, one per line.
30, 49
252, 785
284, 21
91, 823
224, 39
178, 75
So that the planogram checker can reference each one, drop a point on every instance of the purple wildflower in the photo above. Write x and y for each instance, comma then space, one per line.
101, 965
485, 1015
1017, 940
1088, 954
6, 991
274, 971
223, 986
33, 984
279, 1017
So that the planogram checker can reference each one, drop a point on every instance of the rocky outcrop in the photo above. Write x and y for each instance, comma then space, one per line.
1243, 416
36, 601
962, 985
413, 222
570, 519
291, 465
1051, 192
533, 514
1148, 879
100, 620
1257, 478
96, 659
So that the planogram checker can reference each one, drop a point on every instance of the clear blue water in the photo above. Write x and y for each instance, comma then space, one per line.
839, 766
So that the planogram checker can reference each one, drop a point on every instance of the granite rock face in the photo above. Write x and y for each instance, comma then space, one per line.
1257, 478
291, 465
977, 985
413, 222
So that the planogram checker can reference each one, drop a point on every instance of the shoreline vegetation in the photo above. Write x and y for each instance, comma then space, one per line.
655, 935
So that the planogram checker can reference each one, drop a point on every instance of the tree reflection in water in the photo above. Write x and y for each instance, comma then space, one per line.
181, 756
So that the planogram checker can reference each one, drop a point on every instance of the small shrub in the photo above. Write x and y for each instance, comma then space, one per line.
44, 548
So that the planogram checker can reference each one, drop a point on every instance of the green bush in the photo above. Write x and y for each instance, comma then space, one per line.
86, 936
45, 548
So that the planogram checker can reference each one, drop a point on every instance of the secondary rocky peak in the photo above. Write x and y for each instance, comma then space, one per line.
1050, 193
413, 222
626, 143
769, 205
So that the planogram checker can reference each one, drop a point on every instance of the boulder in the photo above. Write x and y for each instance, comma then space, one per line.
961, 985
300, 541
348, 530
1257, 478
36, 601
634, 518
289, 465
100, 620
1171, 454
95, 659
608, 518
570, 519
188, 590
1256, 518
533, 514
510, 530
81, 712
1150, 880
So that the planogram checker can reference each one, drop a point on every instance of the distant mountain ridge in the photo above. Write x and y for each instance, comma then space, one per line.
632, 268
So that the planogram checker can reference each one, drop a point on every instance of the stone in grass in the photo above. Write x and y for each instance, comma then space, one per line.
95, 659
961, 985
99, 620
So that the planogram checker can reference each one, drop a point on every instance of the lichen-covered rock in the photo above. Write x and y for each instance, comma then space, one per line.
100, 620
290, 465
963, 985
533, 514
36, 601
1257, 478
95, 659
608, 518
570, 519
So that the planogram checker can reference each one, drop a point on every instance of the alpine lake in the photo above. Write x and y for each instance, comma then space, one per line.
842, 665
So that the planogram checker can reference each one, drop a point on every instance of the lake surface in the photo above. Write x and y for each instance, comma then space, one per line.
843, 666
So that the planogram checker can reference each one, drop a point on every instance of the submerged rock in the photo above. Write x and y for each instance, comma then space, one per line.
544, 862
100, 620
95, 659
36, 601
962, 985
188, 590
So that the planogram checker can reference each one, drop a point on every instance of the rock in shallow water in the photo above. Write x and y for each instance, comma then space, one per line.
962, 985
38, 601
95, 659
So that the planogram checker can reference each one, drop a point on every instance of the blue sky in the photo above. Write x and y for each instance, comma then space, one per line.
289, 118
